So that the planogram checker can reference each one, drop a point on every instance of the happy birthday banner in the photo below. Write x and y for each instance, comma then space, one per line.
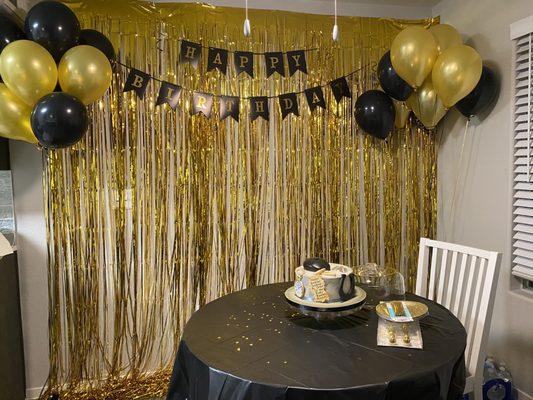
202, 102
190, 52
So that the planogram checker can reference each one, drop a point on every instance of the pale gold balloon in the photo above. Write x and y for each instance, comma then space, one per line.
426, 105
413, 53
28, 70
456, 73
402, 114
85, 73
14, 117
446, 36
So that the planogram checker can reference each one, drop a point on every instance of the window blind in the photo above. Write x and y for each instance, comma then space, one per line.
522, 240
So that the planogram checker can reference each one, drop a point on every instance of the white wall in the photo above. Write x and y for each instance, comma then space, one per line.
26, 165
482, 214
28, 197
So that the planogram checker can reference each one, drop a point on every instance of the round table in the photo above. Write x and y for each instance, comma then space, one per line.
252, 345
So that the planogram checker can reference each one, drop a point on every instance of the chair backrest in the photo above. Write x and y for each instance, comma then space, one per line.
462, 279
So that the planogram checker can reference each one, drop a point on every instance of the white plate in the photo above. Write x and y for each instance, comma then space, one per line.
360, 296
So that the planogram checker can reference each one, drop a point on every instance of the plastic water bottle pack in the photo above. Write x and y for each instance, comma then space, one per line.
497, 381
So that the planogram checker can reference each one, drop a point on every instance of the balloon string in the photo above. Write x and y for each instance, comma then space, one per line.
452, 208
418, 102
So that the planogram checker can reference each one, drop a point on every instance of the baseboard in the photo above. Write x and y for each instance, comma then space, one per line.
523, 396
33, 393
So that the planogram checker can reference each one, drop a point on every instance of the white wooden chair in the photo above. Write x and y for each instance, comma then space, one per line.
462, 279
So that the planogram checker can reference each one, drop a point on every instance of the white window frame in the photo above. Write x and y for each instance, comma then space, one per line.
521, 33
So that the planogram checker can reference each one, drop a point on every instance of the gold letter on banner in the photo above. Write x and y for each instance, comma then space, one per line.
217, 58
296, 61
244, 62
274, 63
190, 53
202, 103
137, 81
168, 93
289, 104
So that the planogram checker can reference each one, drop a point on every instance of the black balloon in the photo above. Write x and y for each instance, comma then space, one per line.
9, 32
59, 120
374, 112
99, 40
390, 81
54, 26
483, 95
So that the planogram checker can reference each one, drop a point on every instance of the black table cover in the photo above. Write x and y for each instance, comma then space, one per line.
252, 345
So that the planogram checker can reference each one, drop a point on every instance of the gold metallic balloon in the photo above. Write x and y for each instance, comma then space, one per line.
14, 117
413, 53
446, 36
85, 73
28, 70
402, 113
427, 105
456, 73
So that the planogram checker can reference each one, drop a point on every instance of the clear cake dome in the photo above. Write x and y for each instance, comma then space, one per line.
387, 283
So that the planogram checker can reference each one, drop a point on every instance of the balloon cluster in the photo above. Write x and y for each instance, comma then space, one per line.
426, 71
51, 71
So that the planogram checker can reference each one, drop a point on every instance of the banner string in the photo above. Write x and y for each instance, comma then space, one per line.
372, 64
255, 53
334, 47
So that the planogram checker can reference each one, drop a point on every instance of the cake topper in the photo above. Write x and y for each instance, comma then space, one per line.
347, 287
299, 288
316, 264
318, 287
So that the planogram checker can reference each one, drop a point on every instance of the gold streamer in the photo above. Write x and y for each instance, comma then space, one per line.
156, 212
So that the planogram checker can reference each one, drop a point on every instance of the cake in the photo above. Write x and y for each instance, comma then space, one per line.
321, 282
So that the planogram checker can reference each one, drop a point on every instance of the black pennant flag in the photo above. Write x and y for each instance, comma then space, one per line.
137, 81
315, 98
244, 62
296, 61
229, 106
217, 58
340, 88
202, 103
190, 53
274, 63
259, 108
288, 103
170, 94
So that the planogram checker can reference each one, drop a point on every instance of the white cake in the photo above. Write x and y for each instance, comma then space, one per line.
335, 284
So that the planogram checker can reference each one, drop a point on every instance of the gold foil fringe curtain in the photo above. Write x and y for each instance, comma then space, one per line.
156, 212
